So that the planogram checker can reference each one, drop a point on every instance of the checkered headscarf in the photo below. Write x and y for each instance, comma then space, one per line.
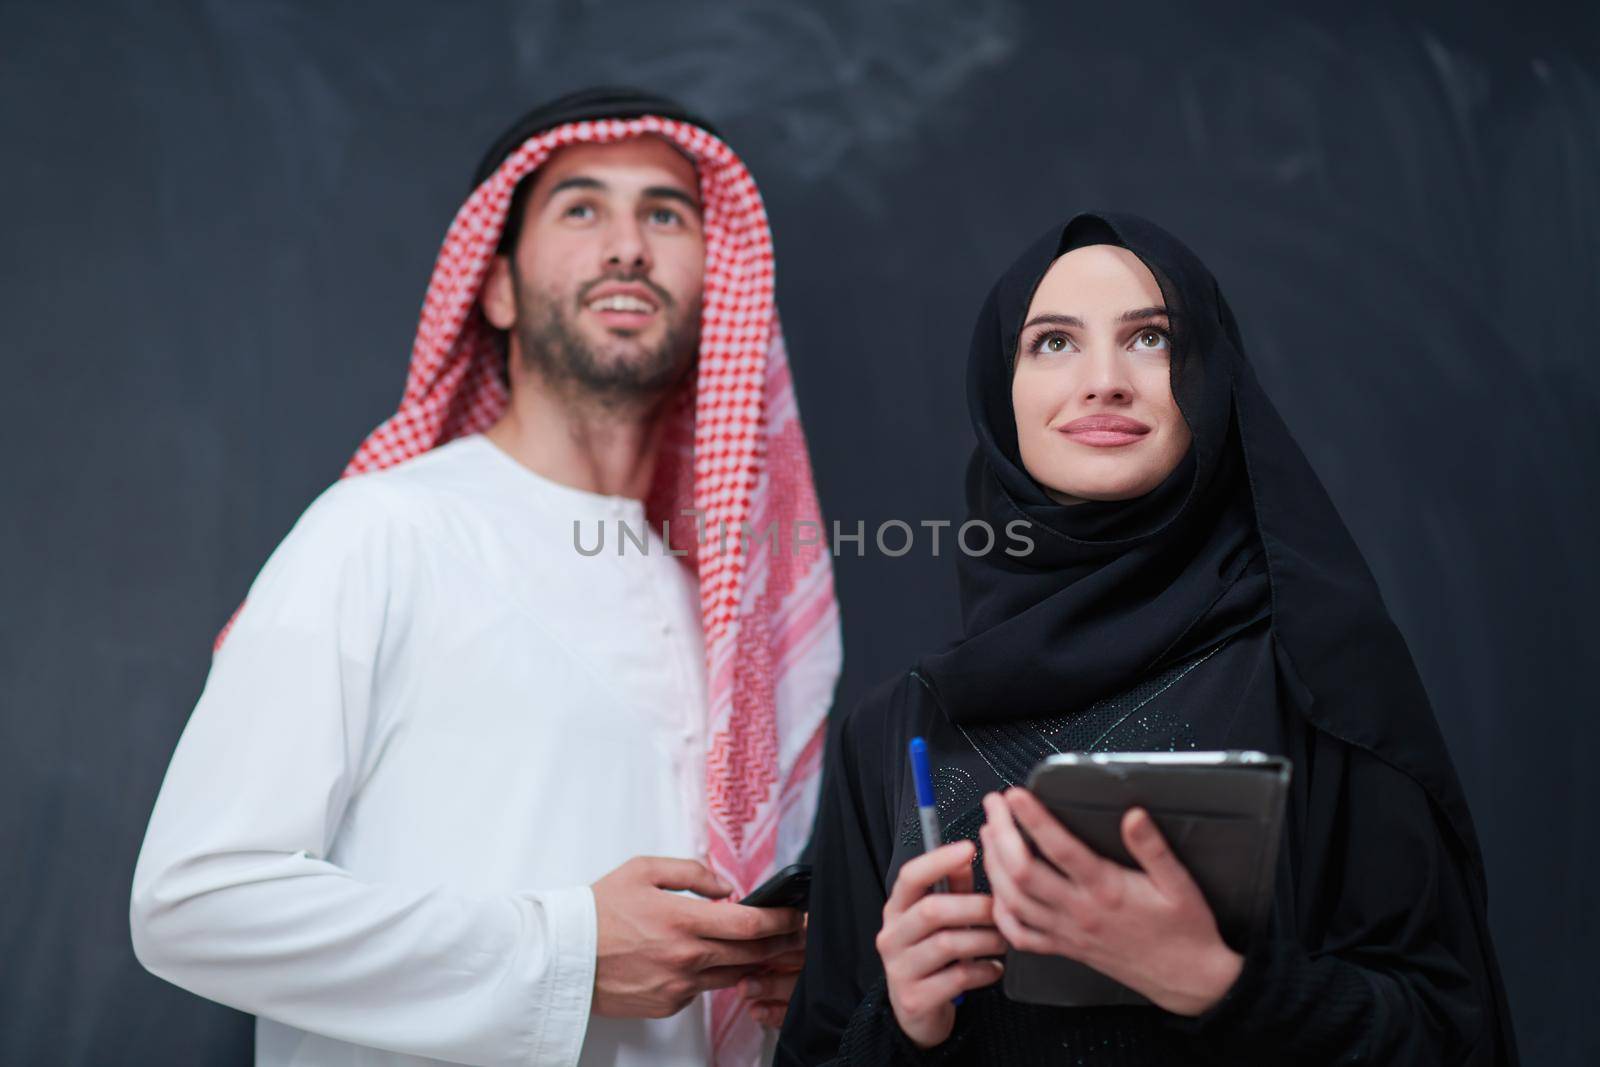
734, 451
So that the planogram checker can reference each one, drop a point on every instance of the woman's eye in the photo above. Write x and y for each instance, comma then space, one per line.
1053, 343
1151, 339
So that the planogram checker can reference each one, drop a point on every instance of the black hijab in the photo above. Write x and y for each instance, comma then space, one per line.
1236, 575
1241, 530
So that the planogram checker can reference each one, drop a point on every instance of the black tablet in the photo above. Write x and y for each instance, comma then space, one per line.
1222, 814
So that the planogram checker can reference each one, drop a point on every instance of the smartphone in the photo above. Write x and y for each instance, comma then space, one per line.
789, 888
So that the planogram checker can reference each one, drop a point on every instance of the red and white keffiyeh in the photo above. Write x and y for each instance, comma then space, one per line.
734, 452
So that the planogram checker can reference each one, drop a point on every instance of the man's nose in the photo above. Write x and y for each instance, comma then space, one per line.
626, 249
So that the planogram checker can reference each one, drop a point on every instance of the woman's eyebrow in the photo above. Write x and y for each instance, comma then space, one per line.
1136, 315
1054, 320
1139, 314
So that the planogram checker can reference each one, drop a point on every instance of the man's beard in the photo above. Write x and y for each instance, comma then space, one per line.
617, 372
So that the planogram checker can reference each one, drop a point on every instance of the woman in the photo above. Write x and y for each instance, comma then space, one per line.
1189, 587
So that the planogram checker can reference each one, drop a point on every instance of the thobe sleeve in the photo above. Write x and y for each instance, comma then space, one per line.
1398, 970
233, 896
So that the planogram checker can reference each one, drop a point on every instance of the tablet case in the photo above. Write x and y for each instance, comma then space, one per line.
1222, 814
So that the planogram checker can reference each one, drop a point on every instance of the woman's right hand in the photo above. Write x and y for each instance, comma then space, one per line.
932, 944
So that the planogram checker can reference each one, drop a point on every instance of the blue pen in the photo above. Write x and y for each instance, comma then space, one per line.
928, 812
927, 804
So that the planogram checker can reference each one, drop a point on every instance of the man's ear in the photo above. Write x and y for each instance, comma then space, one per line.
498, 297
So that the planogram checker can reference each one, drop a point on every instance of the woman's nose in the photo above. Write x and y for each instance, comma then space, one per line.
1107, 378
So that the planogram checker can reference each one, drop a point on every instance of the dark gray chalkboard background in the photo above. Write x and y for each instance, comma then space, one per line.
219, 219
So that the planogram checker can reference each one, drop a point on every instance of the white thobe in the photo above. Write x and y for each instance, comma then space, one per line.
433, 725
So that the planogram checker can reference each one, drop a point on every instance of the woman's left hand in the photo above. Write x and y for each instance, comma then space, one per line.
1149, 929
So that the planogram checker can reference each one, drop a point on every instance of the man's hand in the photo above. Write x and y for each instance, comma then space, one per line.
933, 944
657, 950
1150, 929
768, 992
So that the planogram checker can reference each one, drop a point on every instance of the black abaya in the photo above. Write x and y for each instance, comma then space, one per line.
1228, 608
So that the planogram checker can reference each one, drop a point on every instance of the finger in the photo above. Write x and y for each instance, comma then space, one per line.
961, 880
769, 986
789, 962
665, 873
1056, 842
736, 922
720, 977
1025, 902
1147, 844
1003, 844
960, 977
938, 911
769, 1013
1025, 874
1018, 934
749, 953
916, 879
938, 951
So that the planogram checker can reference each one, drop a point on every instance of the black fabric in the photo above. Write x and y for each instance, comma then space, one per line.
1140, 583
1133, 584
1380, 949
1373, 953
600, 102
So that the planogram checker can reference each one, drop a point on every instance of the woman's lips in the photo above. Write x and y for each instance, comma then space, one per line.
1105, 431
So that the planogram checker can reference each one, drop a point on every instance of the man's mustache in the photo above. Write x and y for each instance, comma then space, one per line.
627, 279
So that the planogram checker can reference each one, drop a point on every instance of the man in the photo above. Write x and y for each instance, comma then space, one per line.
457, 791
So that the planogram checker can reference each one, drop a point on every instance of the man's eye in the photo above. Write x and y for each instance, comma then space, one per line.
579, 211
665, 216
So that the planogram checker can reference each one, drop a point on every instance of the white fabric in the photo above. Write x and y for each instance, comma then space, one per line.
433, 725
